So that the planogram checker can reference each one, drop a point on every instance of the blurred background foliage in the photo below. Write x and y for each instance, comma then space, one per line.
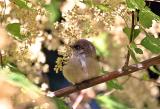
35, 36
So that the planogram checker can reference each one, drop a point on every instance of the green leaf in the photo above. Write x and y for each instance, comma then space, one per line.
101, 45
132, 55
53, 9
110, 102
127, 31
102, 7
146, 16
151, 43
138, 51
60, 104
113, 84
135, 4
15, 77
133, 46
145, 76
14, 29
103, 71
21, 3
153, 69
89, 3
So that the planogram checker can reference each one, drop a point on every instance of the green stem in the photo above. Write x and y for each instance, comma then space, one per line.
130, 40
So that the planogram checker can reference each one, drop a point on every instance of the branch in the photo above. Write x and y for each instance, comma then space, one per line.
104, 78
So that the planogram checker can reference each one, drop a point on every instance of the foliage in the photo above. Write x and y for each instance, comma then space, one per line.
145, 19
148, 16
14, 29
15, 77
53, 9
154, 70
151, 43
113, 84
21, 3
61, 104
35, 24
110, 102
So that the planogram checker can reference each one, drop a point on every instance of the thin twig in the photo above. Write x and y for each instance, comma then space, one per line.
130, 40
109, 76
140, 79
78, 100
110, 92
113, 90
127, 59
132, 28
125, 81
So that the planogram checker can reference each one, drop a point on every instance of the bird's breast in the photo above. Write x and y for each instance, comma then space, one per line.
73, 70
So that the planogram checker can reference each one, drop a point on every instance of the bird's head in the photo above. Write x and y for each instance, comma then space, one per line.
84, 47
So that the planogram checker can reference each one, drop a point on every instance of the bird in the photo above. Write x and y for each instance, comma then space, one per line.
82, 64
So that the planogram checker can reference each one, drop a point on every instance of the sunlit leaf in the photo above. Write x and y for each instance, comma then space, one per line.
151, 43
135, 4
132, 54
113, 84
88, 2
14, 29
127, 31
60, 104
13, 76
145, 76
109, 102
21, 3
134, 47
154, 70
146, 16
103, 71
54, 10
100, 44
102, 6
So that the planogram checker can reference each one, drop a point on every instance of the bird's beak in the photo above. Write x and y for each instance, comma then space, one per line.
71, 46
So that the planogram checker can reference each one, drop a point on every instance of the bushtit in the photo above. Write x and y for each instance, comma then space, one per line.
82, 64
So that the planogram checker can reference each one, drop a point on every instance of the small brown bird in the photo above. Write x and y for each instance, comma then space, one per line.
82, 64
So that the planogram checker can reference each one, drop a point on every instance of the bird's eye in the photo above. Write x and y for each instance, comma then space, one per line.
77, 47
